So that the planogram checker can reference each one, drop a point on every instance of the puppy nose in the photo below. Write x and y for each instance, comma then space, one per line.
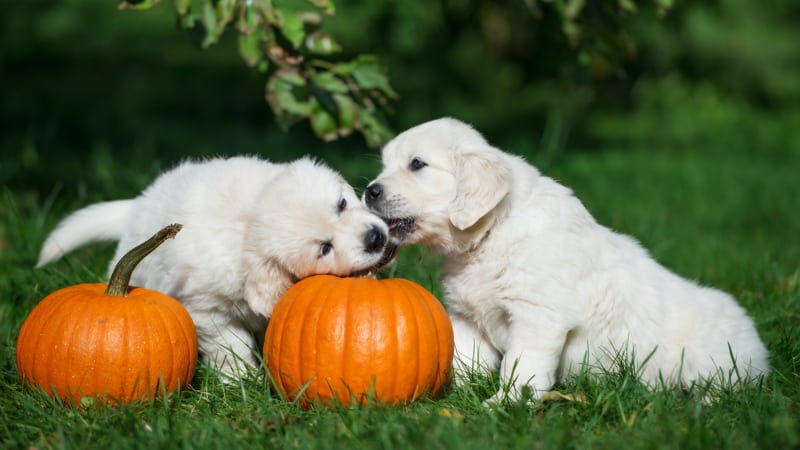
374, 192
374, 240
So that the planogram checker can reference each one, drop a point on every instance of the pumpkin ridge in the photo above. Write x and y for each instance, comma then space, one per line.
283, 316
310, 332
297, 302
68, 339
164, 362
87, 374
274, 342
62, 310
444, 331
390, 321
124, 389
340, 369
432, 315
412, 296
189, 335
177, 357
33, 361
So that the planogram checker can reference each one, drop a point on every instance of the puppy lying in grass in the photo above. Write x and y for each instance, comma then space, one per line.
534, 285
251, 228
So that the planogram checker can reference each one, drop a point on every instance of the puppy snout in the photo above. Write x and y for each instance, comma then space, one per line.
373, 193
375, 240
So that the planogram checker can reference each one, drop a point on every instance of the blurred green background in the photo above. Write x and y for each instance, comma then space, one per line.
98, 100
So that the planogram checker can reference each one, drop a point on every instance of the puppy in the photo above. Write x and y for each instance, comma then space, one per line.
534, 286
251, 229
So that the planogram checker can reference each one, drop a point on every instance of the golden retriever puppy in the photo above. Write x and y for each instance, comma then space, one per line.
534, 286
251, 228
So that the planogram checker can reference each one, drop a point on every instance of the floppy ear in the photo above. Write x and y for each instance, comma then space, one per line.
266, 282
482, 181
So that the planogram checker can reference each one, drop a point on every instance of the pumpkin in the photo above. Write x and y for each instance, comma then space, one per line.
111, 343
350, 341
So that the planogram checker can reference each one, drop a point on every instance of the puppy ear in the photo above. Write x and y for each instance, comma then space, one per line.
266, 282
482, 181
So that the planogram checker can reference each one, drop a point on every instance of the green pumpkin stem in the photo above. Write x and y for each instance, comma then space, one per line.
121, 276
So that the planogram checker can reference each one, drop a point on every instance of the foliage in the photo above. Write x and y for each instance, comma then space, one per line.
288, 39
336, 97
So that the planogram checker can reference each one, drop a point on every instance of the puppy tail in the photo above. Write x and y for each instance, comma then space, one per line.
99, 222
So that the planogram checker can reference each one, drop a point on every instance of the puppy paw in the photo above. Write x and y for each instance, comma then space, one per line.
496, 401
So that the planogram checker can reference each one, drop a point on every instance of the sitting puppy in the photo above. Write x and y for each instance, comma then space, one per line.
534, 285
251, 229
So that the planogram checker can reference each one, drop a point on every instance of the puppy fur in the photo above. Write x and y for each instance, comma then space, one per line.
251, 228
534, 286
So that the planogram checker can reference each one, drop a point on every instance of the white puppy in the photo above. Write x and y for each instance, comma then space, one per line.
534, 286
251, 228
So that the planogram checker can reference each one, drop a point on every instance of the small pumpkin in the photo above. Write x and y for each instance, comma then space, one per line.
348, 341
112, 342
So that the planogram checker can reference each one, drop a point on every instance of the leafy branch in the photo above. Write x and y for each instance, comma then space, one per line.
305, 81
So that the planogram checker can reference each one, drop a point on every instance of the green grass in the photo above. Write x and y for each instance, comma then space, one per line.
723, 219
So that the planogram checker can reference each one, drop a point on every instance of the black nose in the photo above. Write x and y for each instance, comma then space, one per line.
374, 240
374, 192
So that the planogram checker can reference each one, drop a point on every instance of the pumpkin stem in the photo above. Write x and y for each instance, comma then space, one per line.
121, 276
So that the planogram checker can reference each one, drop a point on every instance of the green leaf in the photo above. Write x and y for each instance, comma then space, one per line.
290, 76
627, 5
329, 82
250, 20
573, 8
209, 20
348, 113
225, 9
251, 48
324, 99
369, 75
287, 97
321, 43
292, 28
323, 123
182, 6
664, 6
137, 4
326, 6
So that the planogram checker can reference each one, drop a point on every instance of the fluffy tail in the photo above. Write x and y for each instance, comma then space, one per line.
99, 222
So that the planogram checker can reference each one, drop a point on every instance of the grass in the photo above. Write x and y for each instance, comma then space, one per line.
723, 219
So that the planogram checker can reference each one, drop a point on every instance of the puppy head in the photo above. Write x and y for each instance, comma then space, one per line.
309, 221
440, 180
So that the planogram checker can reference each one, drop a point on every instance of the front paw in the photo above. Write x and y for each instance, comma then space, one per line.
504, 396
497, 400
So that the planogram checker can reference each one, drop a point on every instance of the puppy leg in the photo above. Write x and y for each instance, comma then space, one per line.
473, 353
531, 359
229, 349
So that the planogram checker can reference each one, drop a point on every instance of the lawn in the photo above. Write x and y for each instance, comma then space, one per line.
727, 219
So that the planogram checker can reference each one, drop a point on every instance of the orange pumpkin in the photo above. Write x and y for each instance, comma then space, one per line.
114, 343
351, 340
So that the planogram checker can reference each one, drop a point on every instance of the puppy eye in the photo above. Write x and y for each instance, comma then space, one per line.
342, 204
417, 164
325, 248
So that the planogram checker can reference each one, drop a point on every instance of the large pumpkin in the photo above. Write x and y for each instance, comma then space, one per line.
110, 342
352, 340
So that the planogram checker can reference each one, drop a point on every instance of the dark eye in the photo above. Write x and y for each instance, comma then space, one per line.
342, 204
325, 248
417, 164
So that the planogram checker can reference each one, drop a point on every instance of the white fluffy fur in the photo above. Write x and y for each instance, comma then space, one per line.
250, 229
535, 286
